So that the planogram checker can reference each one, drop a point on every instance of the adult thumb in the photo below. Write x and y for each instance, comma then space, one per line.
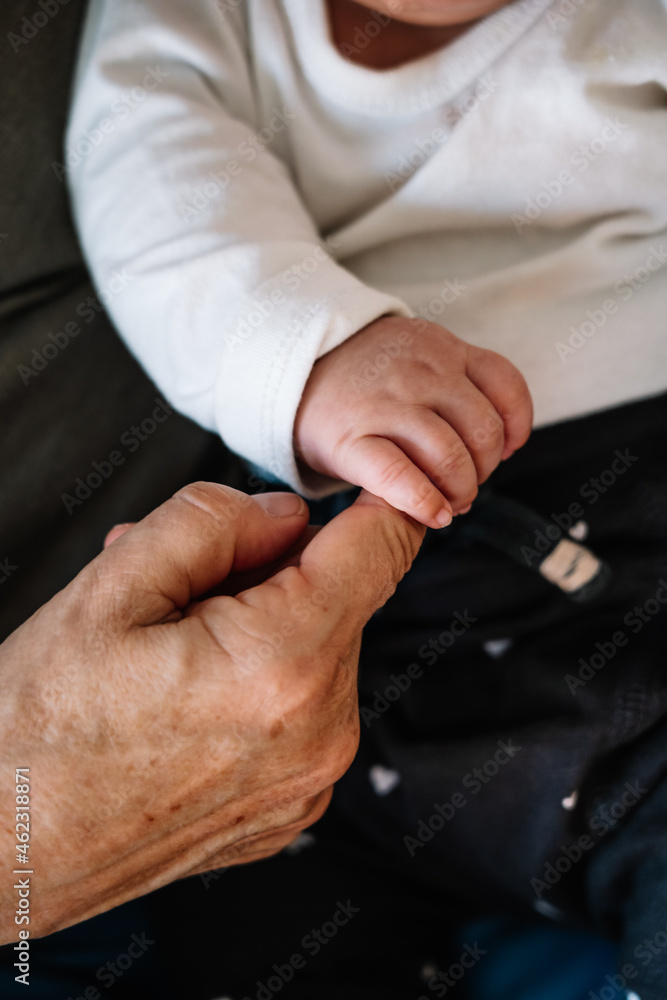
359, 557
190, 544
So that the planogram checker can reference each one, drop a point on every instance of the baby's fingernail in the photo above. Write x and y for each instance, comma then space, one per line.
279, 504
116, 532
444, 517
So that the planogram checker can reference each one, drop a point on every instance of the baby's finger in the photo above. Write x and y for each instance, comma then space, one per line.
383, 469
505, 387
475, 420
116, 532
438, 450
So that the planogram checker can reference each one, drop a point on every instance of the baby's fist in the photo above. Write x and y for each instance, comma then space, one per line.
414, 415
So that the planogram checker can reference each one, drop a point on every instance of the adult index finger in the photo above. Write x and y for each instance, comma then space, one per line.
191, 543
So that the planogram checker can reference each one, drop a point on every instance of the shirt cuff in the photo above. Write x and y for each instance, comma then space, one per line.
268, 358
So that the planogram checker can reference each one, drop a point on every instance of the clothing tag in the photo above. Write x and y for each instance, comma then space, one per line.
570, 566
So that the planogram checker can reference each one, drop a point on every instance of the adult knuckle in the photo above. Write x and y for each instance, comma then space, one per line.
221, 504
311, 809
298, 694
300, 812
401, 543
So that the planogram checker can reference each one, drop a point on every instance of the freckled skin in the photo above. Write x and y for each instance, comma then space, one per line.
133, 688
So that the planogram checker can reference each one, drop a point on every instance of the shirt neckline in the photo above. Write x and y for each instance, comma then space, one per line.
420, 85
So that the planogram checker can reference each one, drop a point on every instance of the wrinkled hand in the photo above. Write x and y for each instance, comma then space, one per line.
167, 736
414, 415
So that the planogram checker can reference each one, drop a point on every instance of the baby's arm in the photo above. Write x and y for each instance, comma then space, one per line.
214, 270
216, 279
414, 415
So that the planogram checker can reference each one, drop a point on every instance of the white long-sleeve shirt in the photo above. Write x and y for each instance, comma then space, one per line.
248, 199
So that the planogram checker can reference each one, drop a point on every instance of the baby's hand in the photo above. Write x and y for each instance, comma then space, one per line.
414, 415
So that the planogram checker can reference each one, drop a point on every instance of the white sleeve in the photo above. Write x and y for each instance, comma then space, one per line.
204, 258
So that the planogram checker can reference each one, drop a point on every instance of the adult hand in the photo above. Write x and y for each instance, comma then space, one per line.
166, 735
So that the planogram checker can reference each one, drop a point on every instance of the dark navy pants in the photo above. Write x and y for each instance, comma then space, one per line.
502, 722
